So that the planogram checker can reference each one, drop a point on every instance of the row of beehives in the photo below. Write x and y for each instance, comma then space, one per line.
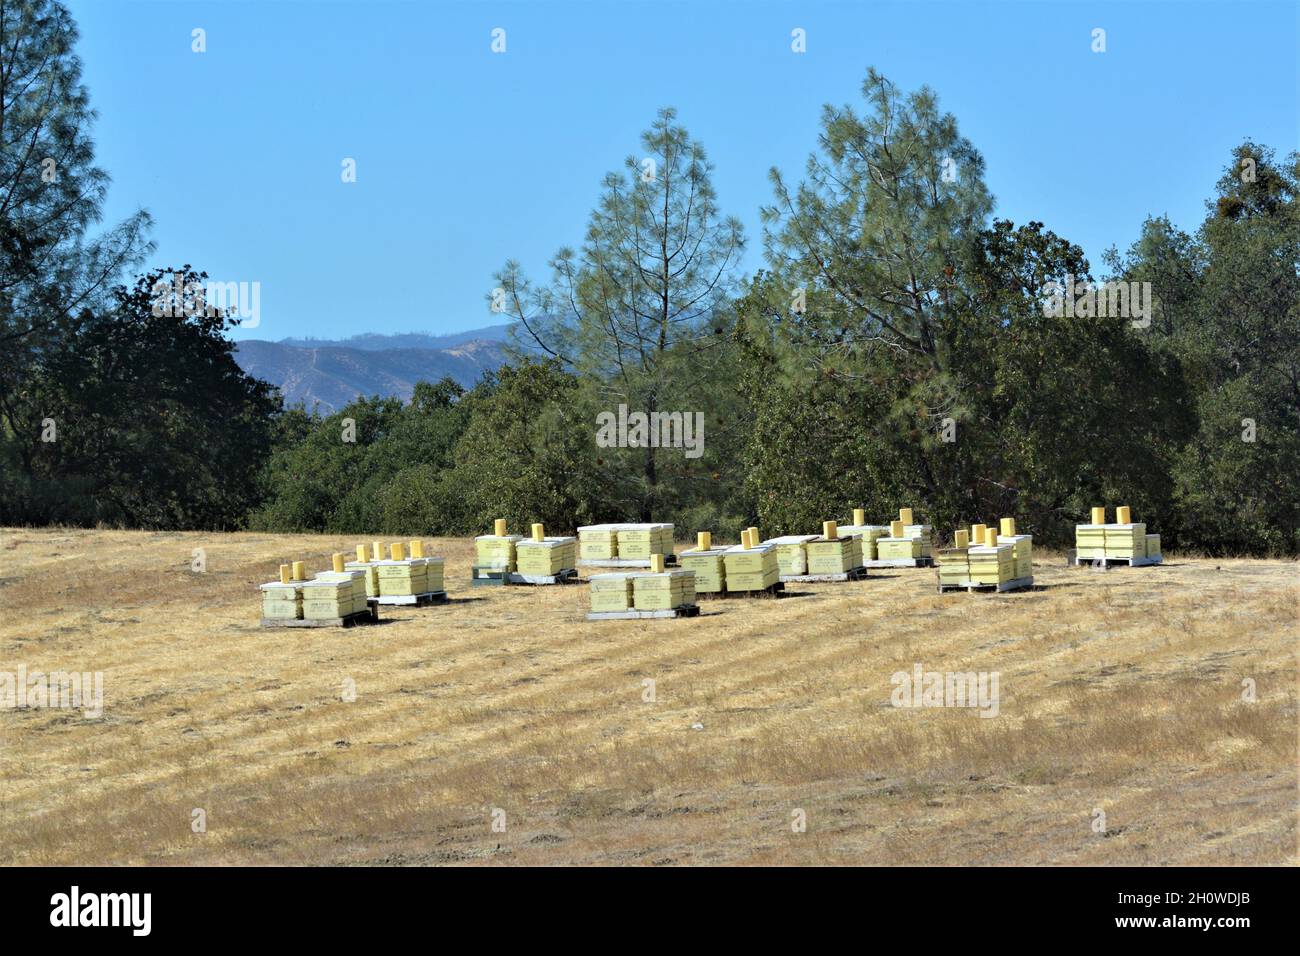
1125, 540
347, 589
758, 565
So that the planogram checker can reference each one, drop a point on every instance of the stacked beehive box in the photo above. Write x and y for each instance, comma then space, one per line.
954, 562
400, 576
637, 542
611, 592
545, 557
751, 566
324, 600
335, 594
598, 542
662, 590
906, 541
1022, 546
707, 564
833, 553
496, 551
367, 562
791, 552
282, 600
898, 546
991, 563
867, 534
1125, 539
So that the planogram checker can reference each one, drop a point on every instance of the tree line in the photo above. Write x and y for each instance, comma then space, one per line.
900, 345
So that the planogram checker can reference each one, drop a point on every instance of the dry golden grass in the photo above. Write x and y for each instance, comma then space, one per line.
1120, 691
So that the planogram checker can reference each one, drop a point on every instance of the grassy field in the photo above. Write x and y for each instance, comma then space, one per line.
1121, 702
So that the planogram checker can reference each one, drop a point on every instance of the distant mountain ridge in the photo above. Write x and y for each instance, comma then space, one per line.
372, 342
326, 375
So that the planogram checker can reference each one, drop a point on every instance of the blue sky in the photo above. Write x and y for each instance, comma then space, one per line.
466, 158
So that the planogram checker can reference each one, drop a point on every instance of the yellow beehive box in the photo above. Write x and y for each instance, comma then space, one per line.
954, 565
598, 542
751, 569
897, 549
752, 580
924, 533
611, 592
434, 568
329, 599
1090, 541
496, 551
710, 573
994, 564
868, 534
662, 592
791, 552
356, 581
835, 556
1126, 540
758, 560
636, 542
282, 602
1153, 546
1022, 548
403, 578
548, 556
370, 575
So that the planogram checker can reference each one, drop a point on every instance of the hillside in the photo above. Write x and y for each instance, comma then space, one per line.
1121, 693
330, 376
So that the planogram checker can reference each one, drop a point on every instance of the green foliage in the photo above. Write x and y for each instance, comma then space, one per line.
639, 312
1237, 337
54, 276
155, 425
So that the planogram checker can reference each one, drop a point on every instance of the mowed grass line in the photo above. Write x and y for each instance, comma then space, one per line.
513, 698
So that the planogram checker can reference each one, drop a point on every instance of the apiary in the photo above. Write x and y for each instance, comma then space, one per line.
612, 591
791, 552
663, 591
